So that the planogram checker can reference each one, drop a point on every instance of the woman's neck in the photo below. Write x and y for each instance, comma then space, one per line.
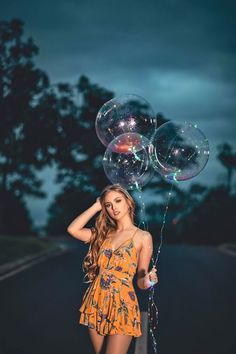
124, 224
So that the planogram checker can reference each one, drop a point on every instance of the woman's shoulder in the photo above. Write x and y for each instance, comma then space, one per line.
142, 238
143, 235
142, 232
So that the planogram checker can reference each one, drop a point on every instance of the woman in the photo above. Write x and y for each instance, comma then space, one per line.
117, 249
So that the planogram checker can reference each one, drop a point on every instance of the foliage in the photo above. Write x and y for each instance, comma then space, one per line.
14, 217
80, 169
38, 124
212, 221
228, 159
21, 86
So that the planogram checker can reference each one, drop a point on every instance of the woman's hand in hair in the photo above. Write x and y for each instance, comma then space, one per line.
98, 204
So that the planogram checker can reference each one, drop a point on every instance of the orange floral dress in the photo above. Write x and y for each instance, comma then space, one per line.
110, 303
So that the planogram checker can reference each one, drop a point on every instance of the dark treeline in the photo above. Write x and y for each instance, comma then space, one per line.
44, 124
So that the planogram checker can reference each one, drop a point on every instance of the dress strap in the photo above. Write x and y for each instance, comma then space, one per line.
134, 233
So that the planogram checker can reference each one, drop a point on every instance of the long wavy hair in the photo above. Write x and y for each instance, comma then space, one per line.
103, 226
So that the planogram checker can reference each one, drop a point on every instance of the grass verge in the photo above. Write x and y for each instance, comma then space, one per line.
12, 247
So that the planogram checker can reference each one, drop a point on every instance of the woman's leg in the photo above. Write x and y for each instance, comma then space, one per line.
97, 340
118, 344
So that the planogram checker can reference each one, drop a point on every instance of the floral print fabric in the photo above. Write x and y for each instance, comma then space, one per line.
110, 304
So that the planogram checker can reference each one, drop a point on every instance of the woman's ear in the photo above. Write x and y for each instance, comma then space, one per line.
129, 206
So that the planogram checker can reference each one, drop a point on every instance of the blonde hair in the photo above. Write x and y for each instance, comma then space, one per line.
103, 226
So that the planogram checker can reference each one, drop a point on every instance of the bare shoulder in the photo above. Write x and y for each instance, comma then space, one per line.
143, 235
142, 239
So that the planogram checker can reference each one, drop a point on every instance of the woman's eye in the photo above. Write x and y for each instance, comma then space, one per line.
119, 200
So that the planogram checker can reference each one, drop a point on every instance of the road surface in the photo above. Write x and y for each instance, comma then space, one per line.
196, 298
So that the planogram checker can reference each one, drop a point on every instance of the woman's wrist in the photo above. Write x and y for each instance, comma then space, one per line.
96, 207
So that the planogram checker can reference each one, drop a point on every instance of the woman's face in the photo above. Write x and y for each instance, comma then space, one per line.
116, 205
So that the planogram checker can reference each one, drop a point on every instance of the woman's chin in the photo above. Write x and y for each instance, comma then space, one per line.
119, 216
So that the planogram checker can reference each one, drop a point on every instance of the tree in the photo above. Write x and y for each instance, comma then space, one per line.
212, 220
31, 119
80, 171
228, 159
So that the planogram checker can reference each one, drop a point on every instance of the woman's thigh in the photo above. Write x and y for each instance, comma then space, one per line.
118, 344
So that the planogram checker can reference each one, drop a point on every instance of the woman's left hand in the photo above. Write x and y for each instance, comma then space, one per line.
153, 275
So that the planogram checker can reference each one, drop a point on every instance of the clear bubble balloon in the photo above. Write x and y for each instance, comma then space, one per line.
179, 151
124, 114
127, 161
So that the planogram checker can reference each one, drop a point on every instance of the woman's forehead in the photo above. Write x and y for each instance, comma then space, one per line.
112, 195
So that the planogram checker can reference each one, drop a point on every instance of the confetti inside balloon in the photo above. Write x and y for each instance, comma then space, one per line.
124, 114
127, 161
129, 143
179, 151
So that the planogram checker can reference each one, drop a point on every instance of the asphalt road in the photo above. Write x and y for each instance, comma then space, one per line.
196, 298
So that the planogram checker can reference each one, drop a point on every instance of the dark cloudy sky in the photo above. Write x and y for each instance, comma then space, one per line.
178, 55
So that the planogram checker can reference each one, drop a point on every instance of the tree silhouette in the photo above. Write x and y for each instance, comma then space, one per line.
33, 119
21, 85
228, 159
211, 221
80, 169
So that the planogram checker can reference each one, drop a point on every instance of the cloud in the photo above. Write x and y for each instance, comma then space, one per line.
178, 54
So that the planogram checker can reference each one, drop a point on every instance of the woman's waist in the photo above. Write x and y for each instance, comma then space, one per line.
116, 273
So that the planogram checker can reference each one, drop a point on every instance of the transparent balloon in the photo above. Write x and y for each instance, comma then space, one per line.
179, 151
127, 161
124, 114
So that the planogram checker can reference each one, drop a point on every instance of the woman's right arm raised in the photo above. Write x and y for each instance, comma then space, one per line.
77, 229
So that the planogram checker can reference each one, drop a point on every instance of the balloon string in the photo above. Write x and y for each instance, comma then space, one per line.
142, 210
153, 318
154, 262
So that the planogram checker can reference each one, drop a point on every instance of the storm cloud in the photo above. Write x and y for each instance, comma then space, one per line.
179, 55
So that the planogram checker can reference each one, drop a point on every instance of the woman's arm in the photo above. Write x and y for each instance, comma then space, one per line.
77, 229
143, 276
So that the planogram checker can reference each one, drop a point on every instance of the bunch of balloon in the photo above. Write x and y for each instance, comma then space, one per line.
125, 125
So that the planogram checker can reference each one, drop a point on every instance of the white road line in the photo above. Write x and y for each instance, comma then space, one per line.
28, 265
225, 248
141, 343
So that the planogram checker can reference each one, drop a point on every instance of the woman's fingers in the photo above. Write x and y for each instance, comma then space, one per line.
154, 270
153, 275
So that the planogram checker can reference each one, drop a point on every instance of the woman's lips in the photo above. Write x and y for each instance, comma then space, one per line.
116, 213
